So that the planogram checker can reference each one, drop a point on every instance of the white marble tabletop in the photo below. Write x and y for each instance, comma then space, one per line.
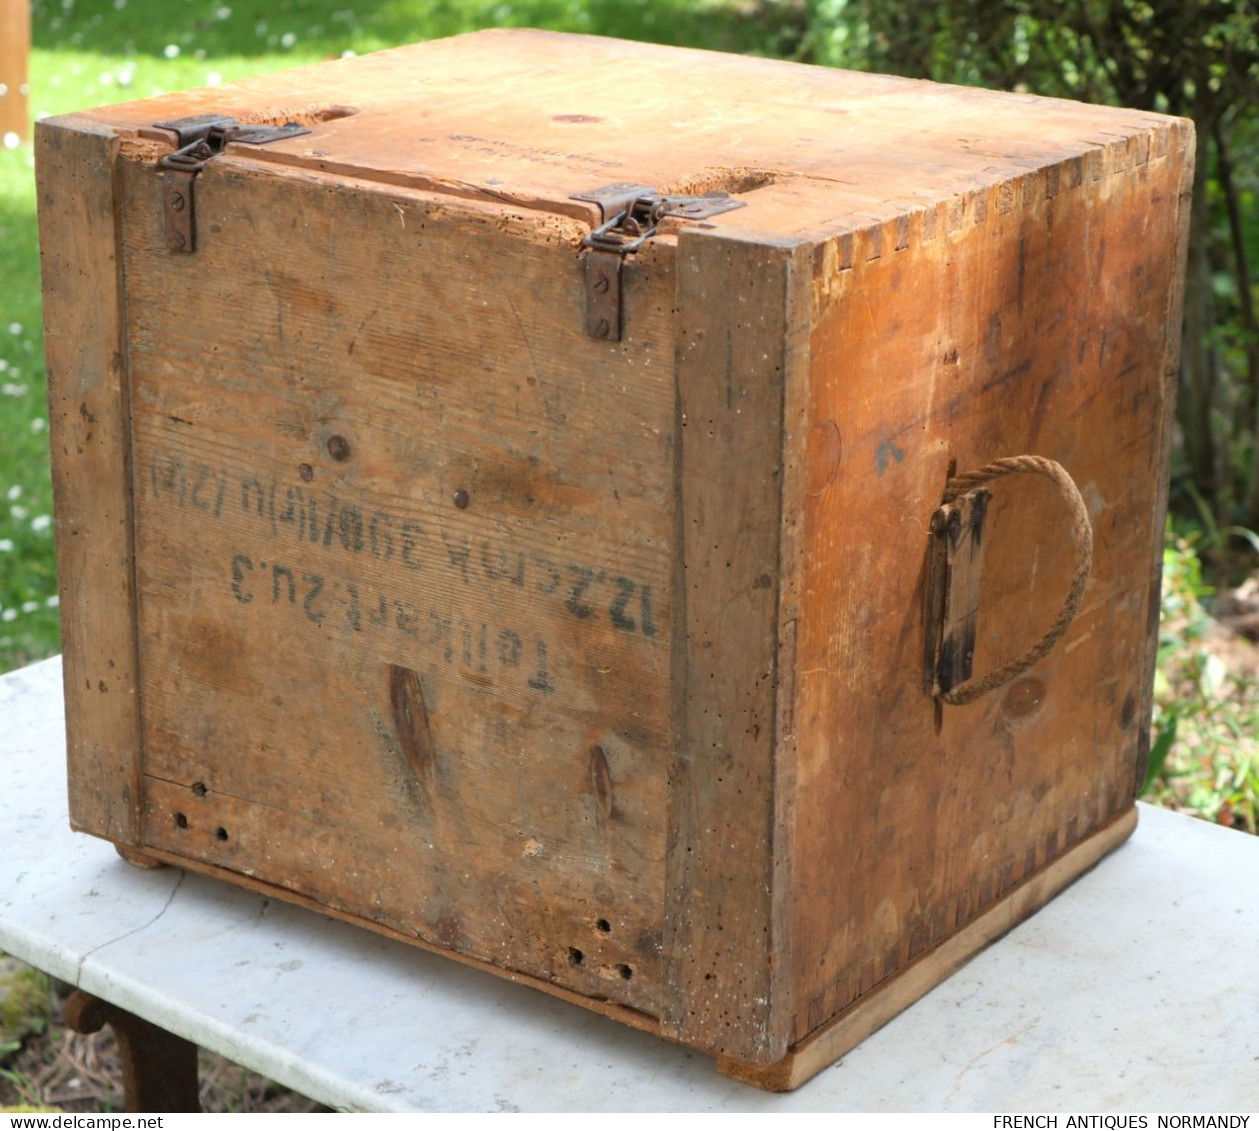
1137, 989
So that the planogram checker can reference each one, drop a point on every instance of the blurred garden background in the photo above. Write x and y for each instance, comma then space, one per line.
1198, 58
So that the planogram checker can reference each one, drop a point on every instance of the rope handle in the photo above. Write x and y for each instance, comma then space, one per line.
1082, 534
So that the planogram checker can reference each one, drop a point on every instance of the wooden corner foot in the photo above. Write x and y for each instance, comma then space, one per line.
137, 858
776, 1077
159, 1069
846, 1030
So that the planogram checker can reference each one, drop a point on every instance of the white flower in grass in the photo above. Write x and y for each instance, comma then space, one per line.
11, 390
9, 615
15, 327
14, 493
52, 602
6, 544
38, 424
19, 512
41, 522
29, 606
171, 51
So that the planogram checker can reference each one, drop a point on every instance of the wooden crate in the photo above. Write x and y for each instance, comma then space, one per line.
584, 608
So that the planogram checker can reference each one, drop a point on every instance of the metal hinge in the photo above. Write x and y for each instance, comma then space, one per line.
630, 215
200, 138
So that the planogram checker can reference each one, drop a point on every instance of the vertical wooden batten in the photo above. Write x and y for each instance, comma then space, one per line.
1181, 137
724, 917
89, 428
15, 50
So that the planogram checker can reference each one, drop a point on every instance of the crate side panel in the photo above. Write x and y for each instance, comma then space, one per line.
404, 551
735, 304
89, 431
1031, 318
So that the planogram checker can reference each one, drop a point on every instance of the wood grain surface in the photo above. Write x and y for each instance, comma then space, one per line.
1028, 319
451, 719
89, 432
725, 919
601, 664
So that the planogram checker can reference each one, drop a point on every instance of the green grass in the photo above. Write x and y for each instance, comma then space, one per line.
93, 52
28, 613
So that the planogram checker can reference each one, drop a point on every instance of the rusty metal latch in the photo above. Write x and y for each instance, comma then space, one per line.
200, 138
630, 215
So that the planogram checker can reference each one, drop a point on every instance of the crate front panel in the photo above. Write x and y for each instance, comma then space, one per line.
1027, 319
402, 542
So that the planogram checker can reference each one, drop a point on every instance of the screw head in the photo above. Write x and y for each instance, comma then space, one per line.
178, 239
602, 284
339, 448
177, 201
460, 499
603, 329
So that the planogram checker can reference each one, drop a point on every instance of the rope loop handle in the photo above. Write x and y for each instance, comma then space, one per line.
1082, 535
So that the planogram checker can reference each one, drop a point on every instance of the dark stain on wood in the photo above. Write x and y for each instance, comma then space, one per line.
410, 720
601, 782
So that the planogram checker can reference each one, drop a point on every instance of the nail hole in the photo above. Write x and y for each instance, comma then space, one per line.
181, 821
305, 472
626, 972
198, 787
603, 925
220, 833
575, 956
339, 448
461, 499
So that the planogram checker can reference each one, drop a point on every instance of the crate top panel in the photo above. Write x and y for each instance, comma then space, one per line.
531, 118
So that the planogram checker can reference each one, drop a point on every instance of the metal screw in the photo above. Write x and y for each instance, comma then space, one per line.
178, 239
177, 201
601, 284
460, 499
603, 328
339, 448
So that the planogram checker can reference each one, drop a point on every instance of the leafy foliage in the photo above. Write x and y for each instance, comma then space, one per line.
1205, 757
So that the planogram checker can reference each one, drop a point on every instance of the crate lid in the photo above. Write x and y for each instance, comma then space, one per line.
533, 117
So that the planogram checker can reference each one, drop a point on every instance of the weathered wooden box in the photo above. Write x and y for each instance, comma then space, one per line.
570, 603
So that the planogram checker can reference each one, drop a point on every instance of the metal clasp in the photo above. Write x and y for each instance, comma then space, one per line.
200, 138
631, 215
